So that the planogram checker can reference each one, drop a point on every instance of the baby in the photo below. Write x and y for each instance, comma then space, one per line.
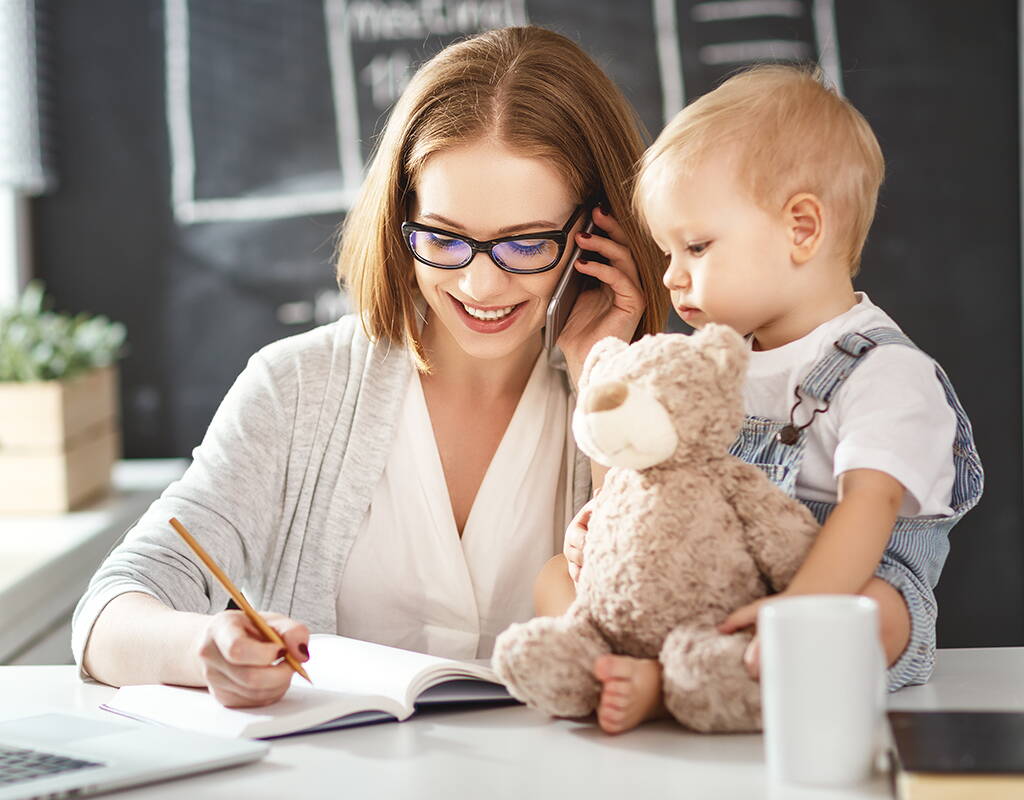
761, 194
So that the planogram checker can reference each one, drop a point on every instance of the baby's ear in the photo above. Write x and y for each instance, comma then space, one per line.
605, 348
725, 348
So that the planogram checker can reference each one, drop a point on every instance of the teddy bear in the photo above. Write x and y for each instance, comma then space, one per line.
681, 534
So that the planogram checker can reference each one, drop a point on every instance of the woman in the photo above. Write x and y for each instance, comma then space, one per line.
403, 474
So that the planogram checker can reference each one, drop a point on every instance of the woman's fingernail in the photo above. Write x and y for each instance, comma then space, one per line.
280, 654
582, 261
603, 208
304, 650
584, 235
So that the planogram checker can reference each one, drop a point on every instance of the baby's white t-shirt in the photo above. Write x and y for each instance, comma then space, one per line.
891, 413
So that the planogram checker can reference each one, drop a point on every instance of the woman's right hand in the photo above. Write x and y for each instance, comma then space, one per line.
575, 538
240, 667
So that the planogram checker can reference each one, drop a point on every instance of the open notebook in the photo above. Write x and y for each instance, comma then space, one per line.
354, 682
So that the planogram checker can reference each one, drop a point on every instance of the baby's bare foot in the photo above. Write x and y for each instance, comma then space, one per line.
630, 692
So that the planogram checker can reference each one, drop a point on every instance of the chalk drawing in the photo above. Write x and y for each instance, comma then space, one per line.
711, 20
372, 48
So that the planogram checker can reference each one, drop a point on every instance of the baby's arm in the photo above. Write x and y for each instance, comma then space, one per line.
849, 547
846, 554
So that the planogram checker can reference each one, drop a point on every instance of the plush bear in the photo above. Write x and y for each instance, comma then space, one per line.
682, 533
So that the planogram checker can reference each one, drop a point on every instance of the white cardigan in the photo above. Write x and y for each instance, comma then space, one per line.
307, 415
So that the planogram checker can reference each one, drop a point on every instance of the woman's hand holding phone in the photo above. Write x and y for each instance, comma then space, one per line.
614, 307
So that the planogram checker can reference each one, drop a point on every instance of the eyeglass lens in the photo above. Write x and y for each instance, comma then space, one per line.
525, 254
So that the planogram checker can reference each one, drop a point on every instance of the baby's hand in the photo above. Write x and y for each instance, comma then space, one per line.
575, 537
752, 658
743, 617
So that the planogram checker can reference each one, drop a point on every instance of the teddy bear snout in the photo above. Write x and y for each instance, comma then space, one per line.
606, 396
624, 425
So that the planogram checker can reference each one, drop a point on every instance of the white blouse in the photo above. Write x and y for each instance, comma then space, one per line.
411, 581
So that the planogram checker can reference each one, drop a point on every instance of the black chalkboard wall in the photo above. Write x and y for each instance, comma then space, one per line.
204, 268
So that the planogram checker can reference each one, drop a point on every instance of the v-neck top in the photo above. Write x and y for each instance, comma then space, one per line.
279, 487
410, 580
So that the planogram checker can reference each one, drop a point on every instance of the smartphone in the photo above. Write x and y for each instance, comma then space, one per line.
570, 285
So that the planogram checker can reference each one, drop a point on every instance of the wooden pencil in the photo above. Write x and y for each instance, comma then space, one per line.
270, 634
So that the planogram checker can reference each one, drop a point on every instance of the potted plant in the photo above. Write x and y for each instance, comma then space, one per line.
59, 434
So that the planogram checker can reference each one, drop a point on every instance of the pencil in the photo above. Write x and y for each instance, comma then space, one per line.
238, 597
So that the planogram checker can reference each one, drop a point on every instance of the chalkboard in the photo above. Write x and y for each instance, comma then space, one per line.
206, 152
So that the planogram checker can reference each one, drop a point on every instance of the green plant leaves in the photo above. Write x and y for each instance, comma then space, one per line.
41, 345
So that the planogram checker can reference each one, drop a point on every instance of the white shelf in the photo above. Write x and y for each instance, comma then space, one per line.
46, 561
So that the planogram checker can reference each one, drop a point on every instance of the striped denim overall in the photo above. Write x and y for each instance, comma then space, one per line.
918, 547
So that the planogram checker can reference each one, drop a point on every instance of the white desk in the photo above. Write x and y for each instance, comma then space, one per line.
518, 754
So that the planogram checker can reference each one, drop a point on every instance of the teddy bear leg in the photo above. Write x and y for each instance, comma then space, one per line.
547, 663
705, 684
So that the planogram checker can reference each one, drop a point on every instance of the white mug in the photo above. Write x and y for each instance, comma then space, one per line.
822, 688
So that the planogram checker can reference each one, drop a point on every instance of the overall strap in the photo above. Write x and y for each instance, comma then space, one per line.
970, 477
846, 355
829, 373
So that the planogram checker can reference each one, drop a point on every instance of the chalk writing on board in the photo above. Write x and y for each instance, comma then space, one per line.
699, 43
258, 133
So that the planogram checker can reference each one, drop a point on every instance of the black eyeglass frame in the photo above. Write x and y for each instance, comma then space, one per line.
560, 237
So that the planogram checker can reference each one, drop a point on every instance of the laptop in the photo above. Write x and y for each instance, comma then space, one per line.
71, 755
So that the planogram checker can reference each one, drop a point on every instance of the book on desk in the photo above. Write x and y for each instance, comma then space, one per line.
958, 755
354, 683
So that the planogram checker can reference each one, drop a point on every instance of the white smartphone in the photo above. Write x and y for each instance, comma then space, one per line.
569, 286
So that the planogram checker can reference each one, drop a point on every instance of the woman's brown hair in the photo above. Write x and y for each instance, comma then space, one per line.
536, 92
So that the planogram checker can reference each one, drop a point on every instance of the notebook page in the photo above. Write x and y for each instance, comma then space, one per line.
197, 709
351, 666
348, 675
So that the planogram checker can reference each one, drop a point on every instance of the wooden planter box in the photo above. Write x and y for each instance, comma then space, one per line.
58, 442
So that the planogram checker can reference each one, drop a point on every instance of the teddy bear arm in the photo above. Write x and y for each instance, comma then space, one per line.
777, 528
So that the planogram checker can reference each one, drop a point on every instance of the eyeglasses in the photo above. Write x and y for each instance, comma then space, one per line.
521, 254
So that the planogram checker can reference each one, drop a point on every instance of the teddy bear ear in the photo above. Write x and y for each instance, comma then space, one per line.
725, 348
606, 347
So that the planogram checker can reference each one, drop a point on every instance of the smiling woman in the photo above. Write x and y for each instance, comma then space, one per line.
485, 297
505, 133
403, 474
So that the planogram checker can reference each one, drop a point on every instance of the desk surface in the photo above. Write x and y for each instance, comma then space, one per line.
517, 753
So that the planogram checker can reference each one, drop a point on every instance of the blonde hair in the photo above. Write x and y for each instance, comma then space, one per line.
789, 133
536, 92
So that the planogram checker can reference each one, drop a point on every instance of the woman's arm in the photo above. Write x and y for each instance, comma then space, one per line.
137, 639
555, 587
230, 497
553, 591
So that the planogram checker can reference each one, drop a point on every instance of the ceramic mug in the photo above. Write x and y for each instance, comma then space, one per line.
822, 688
